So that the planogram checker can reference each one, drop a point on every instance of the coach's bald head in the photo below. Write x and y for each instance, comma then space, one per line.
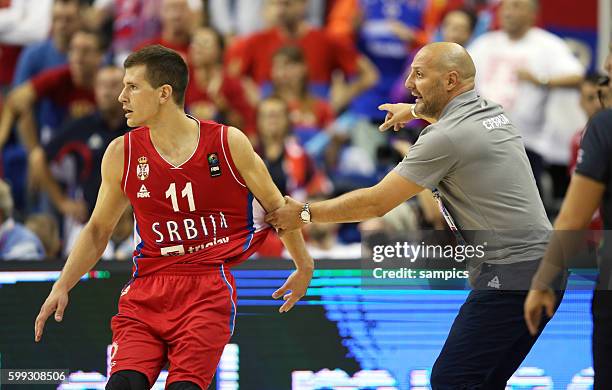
440, 71
448, 57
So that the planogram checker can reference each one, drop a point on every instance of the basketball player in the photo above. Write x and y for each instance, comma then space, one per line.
194, 186
474, 157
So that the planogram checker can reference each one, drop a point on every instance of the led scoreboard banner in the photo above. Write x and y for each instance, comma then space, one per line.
340, 336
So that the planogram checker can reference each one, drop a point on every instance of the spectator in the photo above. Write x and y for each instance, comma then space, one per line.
35, 58
458, 26
177, 24
46, 228
243, 17
387, 35
22, 22
292, 170
484, 12
121, 244
323, 55
212, 93
134, 21
308, 113
16, 241
346, 15
69, 87
53, 51
514, 68
85, 139
236, 18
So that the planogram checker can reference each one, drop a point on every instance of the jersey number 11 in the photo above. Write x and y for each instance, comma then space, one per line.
187, 192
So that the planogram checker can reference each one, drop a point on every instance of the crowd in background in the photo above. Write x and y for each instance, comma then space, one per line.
303, 79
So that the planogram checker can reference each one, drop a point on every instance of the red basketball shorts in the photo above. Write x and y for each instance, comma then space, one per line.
183, 315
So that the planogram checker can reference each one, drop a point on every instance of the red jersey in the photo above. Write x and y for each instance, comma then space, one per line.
9, 54
199, 212
57, 84
323, 54
232, 91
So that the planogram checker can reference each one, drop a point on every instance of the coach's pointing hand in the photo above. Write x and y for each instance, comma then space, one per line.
56, 302
287, 217
397, 115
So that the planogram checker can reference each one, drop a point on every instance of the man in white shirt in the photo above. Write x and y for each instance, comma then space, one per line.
518, 66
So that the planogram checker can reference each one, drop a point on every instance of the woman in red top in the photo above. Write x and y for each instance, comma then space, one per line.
212, 93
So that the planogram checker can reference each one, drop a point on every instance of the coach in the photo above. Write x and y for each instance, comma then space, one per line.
474, 156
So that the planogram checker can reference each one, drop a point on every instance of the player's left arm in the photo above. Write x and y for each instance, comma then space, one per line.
258, 180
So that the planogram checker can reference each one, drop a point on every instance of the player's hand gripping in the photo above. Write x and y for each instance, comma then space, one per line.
55, 302
297, 283
535, 302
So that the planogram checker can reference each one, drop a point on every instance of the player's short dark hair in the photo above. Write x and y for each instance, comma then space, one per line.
163, 66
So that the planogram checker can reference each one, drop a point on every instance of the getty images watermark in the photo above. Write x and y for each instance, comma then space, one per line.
423, 261
489, 260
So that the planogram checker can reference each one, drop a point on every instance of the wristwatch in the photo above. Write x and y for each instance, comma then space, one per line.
544, 81
305, 213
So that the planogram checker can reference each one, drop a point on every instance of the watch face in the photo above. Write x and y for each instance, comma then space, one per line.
305, 216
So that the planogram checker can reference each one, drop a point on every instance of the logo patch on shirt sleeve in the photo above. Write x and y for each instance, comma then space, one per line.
213, 165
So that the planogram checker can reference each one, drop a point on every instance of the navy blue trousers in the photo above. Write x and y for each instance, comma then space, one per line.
489, 338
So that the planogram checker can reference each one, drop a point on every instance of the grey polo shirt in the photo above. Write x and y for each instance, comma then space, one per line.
475, 157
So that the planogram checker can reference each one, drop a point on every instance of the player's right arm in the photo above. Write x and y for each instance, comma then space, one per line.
93, 238
258, 180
